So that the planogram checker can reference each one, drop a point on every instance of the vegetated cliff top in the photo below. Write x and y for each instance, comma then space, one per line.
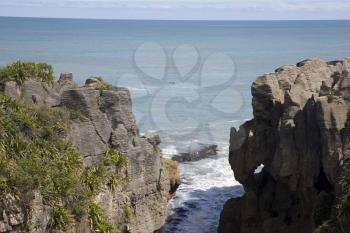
72, 158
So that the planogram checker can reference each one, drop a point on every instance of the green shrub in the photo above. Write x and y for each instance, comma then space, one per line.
127, 212
113, 157
102, 85
20, 71
330, 97
33, 156
93, 177
119, 161
98, 222
4, 186
78, 115
30, 229
114, 180
60, 219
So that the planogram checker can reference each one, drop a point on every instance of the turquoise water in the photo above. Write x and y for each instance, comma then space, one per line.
107, 47
180, 88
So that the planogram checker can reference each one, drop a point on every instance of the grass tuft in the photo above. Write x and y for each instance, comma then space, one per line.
102, 85
20, 71
98, 222
61, 219
115, 158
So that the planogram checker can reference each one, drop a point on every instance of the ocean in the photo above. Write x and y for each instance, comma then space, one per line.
189, 80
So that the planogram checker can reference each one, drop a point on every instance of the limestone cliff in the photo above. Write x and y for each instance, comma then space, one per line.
103, 119
301, 134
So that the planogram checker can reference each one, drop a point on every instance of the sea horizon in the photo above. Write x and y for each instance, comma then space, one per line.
169, 20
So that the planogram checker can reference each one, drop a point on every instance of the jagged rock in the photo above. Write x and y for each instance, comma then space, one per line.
300, 133
120, 139
152, 138
92, 134
39, 213
67, 78
16, 215
196, 152
12, 89
14, 211
40, 93
172, 168
65, 82
91, 82
106, 120
117, 105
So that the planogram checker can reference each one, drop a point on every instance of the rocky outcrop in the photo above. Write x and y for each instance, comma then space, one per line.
300, 133
103, 119
172, 169
197, 152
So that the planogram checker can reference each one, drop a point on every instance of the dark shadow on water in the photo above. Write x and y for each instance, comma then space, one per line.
201, 211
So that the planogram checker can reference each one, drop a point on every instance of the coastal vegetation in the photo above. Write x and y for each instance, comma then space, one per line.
35, 157
98, 221
101, 84
21, 71
339, 222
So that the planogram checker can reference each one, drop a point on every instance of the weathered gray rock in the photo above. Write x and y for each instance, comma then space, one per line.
65, 82
38, 92
39, 213
152, 138
106, 120
15, 216
197, 152
12, 89
300, 133
91, 135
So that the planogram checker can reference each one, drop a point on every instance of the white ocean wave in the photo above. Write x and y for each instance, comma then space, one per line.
206, 186
169, 151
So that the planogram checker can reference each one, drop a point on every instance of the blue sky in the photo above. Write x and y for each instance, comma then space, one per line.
179, 9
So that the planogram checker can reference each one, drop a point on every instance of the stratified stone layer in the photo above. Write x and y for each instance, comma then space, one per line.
301, 134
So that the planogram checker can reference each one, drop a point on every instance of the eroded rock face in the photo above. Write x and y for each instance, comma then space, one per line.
105, 120
301, 134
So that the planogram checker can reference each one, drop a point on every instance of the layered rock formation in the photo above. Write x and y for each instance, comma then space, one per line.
301, 134
104, 119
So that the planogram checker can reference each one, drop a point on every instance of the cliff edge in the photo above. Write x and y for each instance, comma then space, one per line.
101, 127
299, 138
